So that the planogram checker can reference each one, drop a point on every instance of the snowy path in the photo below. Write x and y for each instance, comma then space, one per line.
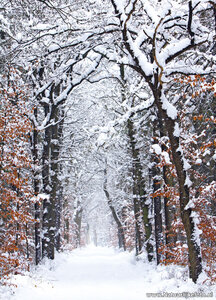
98, 274
92, 273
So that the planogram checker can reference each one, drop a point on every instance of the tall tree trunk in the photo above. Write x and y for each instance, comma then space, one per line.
156, 184
136, 175
58, 209
137, 215
145, 206
141, 205
170, 239
168, 212
195, 266
48, 240
56, 187
51, 184
36, 184
54, 156
136, 204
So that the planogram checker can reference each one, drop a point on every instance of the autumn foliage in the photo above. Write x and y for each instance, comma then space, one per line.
15, 191
199, 146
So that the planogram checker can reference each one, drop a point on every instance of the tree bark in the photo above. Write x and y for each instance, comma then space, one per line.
137, 175
194, 252
157, 213
156, 185
170, 239
36, 184
148, 226
141, 207
168, 212
56, 187
48, 240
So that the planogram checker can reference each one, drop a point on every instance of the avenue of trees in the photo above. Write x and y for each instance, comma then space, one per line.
107, 120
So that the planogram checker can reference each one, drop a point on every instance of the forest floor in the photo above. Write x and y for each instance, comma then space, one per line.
103, 274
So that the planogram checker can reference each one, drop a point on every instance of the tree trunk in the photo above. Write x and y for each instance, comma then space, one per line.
156, 184
78, 222
141, 206
56, 188
170, 239
195, 266
168, 212
148, 226
58, 209
137, 185
36, 184
66, 230
48, 240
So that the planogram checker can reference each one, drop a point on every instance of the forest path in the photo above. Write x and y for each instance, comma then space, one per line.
87, 274
96, 273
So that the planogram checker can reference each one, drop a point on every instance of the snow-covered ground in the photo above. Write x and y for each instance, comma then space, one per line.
102, 274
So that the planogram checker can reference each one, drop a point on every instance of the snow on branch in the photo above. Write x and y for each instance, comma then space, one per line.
63, 96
